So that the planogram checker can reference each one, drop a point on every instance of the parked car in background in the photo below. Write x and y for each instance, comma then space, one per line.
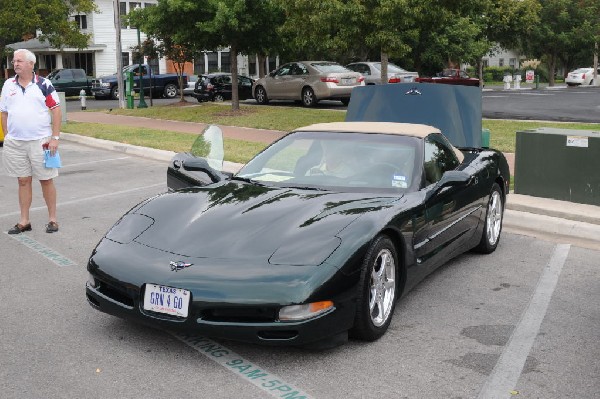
164, 84
452, 77
308, 82
217, 87
191, 85
371, 71
70, 81
581, 77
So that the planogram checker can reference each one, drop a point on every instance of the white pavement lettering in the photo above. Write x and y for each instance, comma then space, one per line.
507, 371
257, 376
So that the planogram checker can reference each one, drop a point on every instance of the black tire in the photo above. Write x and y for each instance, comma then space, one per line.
114, 93
260, 94
309, 99
378, 290
170, 90
345, 101
218, 98
493, 222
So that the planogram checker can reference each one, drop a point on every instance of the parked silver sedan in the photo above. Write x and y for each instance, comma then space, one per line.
372, 73
309, 82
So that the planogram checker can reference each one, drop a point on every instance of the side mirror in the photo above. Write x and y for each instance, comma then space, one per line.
201, 165
449, 179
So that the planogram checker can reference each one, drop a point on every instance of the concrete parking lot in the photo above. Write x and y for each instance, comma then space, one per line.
521, 322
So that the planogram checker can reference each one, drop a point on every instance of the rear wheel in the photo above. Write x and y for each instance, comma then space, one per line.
345, 101
493, 222
114, 93
170, 90
308, 97
378, 289
218, 98
260, 94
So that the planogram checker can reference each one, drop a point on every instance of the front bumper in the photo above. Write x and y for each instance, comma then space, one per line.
100, 92
332, 323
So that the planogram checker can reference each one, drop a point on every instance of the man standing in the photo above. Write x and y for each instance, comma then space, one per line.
24, 105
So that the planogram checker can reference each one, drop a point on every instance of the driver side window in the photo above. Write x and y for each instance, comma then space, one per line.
438, 159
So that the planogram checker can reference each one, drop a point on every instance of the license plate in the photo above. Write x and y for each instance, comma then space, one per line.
167, 300
408, 79
347, 81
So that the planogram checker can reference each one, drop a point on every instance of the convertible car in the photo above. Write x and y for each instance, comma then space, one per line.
314, 239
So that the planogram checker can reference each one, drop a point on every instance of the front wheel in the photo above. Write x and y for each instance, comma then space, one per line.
345, 101
218, 98
378, 289
170, 90
493, 222
114, 93
260, 94
309, 99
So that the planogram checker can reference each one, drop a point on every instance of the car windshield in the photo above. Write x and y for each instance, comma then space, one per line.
582, 70
329, 67
391, 68
352, 162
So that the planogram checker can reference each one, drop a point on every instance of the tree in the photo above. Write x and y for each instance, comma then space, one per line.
243, 25
19, 20
558, 34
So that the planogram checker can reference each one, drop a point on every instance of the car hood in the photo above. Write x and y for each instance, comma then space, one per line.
455, 110
246, 221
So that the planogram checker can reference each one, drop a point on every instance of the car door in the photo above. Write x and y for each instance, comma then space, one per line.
277, 84
63, 81
451, 213
244, 87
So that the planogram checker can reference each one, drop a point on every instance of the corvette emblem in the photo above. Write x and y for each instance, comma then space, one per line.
179, 265
413, 92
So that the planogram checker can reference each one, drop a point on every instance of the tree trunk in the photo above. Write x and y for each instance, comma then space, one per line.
235, 95
551, 67
480, 72
596, 83
384, 67
261, 65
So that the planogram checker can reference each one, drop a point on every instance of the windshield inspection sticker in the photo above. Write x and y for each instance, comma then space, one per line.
399, 181
258, 376
577, 141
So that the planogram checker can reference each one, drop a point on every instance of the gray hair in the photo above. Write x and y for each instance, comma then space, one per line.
29, 56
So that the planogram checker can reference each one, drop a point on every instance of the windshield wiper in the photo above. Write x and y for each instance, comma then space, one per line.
247, 180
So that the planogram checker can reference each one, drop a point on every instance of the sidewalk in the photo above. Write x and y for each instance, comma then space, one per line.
545, 218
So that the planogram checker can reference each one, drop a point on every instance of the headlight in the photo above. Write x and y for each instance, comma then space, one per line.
303, 312
91, 280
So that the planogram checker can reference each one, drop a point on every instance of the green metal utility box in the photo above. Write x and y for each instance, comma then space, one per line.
558, 163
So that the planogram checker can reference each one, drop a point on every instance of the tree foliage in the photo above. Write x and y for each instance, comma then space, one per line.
19, 20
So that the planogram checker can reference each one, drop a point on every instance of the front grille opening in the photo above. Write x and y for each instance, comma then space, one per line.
92, 300
240, 315
115, 294
277, 334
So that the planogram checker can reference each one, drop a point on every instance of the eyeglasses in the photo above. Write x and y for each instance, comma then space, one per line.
18, 62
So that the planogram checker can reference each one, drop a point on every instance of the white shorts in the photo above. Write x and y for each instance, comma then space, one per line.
26, 158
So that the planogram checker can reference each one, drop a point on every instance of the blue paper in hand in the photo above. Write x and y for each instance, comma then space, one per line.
52, 161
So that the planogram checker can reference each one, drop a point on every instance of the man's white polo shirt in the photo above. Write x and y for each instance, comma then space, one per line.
28, 116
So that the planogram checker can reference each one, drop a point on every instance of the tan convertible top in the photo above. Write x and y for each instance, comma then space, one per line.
403, 129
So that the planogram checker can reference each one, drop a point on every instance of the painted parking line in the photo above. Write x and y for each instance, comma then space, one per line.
242, 368
43, 250
77, 201
507, 371
92, 162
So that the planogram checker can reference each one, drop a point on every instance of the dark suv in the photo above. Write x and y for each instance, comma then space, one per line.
217, 87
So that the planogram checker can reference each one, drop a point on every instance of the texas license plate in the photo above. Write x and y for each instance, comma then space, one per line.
167, 300
348, 81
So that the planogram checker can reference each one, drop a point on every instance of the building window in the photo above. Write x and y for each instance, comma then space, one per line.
512, 62
199, 65
125, 59
501, 62
272, 64
486, 63
153, 63
50, 62
252, 66
225, 61
81, 21
213, 62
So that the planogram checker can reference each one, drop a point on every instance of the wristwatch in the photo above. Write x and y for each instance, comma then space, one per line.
56, 137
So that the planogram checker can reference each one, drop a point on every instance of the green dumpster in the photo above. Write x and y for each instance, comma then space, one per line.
562, 164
